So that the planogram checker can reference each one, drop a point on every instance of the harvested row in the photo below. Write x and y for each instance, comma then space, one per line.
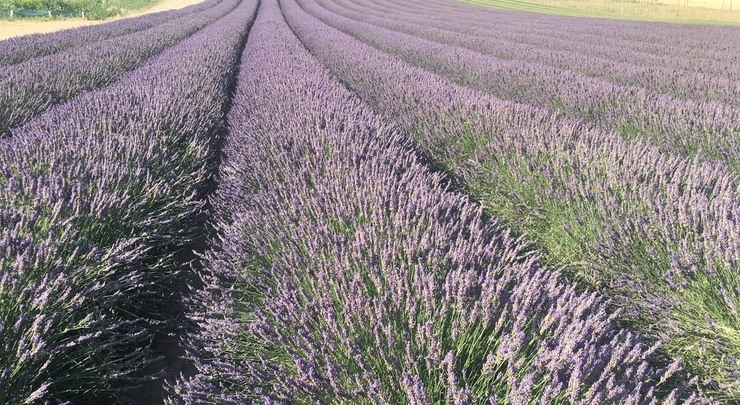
674, 46
678, 83
19, 49
345, 273
32, 87
684, 127
98, 197
657, 231
688, 47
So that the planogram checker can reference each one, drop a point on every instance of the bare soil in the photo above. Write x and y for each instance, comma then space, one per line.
16, 28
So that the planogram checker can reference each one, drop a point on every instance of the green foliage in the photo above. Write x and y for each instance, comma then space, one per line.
94, 9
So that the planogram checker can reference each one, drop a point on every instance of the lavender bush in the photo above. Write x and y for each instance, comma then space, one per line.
18, 49
658, 231
686, 127
345, 273
597, 265
32, 87
691, 48
99, 196
685, 84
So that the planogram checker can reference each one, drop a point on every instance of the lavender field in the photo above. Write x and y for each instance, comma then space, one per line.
370, 202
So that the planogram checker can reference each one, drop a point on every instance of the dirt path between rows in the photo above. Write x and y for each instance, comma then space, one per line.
16, 28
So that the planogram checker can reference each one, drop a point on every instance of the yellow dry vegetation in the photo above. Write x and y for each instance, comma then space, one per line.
686, 11
18, 27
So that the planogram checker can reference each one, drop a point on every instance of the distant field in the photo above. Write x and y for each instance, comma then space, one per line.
95, 9
711, 11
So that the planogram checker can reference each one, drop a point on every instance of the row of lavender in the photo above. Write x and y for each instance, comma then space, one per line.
99, 196
18, 49
683, 126
707, 49
654, 229
29, 88
345, 273
505, 45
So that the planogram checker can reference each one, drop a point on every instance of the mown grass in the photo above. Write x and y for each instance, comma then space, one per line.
94, 9
698, 11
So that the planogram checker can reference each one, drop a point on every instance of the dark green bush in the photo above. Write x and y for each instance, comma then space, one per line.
95, 9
